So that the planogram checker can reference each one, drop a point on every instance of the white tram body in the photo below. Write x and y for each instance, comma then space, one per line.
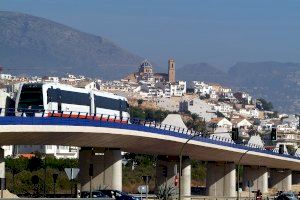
70, 101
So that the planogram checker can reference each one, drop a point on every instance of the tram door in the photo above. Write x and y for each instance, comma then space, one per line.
54, 99
58, 93
121, 109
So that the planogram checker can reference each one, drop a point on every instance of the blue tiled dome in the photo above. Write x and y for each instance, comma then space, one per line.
146, 63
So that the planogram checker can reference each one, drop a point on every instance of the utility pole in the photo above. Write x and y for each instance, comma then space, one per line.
298, 115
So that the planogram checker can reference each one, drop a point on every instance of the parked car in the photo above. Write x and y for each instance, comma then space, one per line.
95, 194
118, 195
287, 196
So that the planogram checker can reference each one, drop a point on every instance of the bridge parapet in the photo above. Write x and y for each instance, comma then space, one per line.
76, 118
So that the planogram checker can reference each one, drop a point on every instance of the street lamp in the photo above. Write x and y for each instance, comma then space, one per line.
238, 173
296, 150
180, 161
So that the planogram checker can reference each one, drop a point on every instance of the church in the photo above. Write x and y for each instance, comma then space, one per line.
146, 73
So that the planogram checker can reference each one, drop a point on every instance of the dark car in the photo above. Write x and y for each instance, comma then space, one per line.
95, 194
118, 195
287, 196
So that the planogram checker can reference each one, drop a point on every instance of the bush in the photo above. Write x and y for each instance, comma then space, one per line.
19, 172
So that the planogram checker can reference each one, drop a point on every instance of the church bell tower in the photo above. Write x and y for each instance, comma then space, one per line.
171, 71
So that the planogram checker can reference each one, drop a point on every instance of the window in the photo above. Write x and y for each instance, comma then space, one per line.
69, 97
31, 97
64, 147
112, 104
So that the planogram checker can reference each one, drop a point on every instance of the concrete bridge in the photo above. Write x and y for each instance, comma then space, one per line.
101, 144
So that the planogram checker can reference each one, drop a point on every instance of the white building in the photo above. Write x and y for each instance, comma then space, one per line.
52, 79
223, 108
286, 128
55, 150
221, 122
249, 112
201, 88
81, 77
292, 121
199, 107
92, 86
241, 123
178, 88
5, 76
214, 95
8, 150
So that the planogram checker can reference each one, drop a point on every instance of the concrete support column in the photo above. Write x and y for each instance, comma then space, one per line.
113, 160
257, 175
296, 177
229, 180
186, 177
107, 168
281, 179
221, 179
2, 172
169, 163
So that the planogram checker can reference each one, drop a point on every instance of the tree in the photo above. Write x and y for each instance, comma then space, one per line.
35, 163
148, 114
140, 101
265, 104
196, 123
198, 171
16, 165
219, 114
19, 172
291, 149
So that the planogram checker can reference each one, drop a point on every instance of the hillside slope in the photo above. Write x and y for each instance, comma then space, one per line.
275, 81
203, 72
278, 82
26, 40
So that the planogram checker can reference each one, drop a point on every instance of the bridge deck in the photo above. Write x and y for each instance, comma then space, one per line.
132, 138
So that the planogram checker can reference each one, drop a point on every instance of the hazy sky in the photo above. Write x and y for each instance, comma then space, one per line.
220, 32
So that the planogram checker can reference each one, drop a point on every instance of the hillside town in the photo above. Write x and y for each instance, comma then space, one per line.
219, 106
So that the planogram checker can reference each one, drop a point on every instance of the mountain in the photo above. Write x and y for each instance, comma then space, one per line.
275, 81
53, 48
201, 71
278, 82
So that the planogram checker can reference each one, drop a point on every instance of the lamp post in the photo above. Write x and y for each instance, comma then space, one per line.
238, 173
180, 159
180, 162
45, 176
296, 151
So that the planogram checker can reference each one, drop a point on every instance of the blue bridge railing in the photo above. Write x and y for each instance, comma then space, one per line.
131, 123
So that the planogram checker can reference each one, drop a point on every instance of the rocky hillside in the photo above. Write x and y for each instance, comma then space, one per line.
275, 81
203, 72
278, 82
52, 48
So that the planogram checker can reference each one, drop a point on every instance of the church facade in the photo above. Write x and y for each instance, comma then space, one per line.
146, 73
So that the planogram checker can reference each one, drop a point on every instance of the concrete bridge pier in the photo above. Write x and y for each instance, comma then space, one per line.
258, 175
296, 177
167, 172
221, 179
281, 179
106, 169
2, 171
186, 177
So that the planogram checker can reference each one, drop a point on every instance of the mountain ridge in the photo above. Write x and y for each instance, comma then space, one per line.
27, 40
278, 82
